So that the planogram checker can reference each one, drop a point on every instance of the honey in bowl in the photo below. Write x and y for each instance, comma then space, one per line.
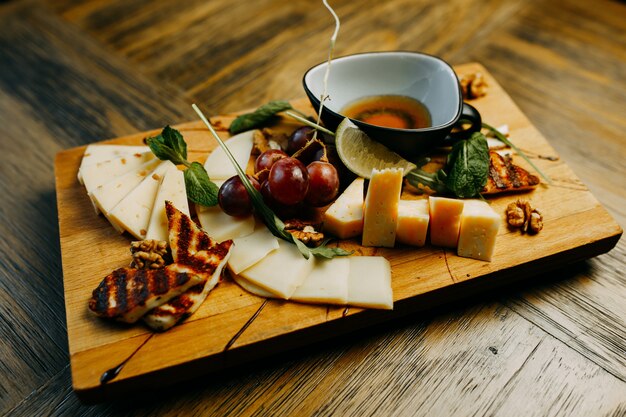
400, 112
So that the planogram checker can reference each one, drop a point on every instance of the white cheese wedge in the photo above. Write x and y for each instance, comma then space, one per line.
280, 272
104, 171
326, 284
100, 153
445, 221
249, 250
219, 167
479, 228
413, 220
220, 226
380, 211
106, 196
172, 188
369, 282
344, 218
251, 288
133, 211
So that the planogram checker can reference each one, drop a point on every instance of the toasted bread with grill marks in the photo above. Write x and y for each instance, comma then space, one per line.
128, 293
506, 177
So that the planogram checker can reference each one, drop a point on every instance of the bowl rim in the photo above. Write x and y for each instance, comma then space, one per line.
446, 125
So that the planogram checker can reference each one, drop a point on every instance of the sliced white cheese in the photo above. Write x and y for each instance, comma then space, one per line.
133, 211
479, 228
219, 167
280, 272
326, 284
106, 196
369, 282
102, 172
251, 288
172, 188
249, 250
220, 226
100, 153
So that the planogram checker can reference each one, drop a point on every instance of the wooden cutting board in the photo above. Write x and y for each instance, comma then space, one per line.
233, 327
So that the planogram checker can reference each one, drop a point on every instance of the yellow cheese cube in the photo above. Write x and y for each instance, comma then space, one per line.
445, 221
479, 227
412, 222
380, 212
344, 218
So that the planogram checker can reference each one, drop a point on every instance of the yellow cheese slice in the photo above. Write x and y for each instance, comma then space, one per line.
219, 167
326, 284
413, 220
445, 221
479, 228
172, 188
133, 211
344, 218
369, 282
380, 211
249, 250
251, 288
280, 272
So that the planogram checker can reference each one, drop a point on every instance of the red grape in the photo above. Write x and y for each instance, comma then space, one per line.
299, 138
267, 159
281, 210
233, 197
323, 183
288, 181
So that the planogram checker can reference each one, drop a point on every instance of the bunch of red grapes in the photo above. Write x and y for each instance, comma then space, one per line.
285, 183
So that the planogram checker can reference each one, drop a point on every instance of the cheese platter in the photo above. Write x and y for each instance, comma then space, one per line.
244, 317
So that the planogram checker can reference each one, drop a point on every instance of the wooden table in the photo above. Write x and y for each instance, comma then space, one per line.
72, 72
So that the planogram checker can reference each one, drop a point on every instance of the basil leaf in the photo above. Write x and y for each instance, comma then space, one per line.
468, 166
173, 139
199, 187
258, 117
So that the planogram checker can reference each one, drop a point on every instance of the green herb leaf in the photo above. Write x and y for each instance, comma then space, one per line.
200, 189
420, 179
258, 117
506, 140
173, 139
167, 147
468, 166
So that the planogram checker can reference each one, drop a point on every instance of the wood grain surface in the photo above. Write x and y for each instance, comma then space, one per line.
73, 71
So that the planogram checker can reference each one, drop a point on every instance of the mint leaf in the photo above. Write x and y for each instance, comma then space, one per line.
259, 117
468, 166
166, 147
199, 187
174, 140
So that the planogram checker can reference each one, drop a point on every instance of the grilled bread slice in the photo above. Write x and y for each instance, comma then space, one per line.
192, 246
506, 177
128, 293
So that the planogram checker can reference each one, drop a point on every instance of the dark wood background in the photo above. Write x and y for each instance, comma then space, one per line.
76, 71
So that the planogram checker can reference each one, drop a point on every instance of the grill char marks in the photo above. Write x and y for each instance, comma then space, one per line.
504, 176
128, 293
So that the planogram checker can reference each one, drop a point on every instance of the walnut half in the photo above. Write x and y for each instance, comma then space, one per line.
521, 215
305, 231
148, 254
473, 85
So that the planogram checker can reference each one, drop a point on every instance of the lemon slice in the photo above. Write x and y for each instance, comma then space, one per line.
360, 154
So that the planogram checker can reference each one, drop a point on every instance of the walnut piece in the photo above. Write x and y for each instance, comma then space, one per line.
305, 231
148, 254
266, 139
521, 215
473, 85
